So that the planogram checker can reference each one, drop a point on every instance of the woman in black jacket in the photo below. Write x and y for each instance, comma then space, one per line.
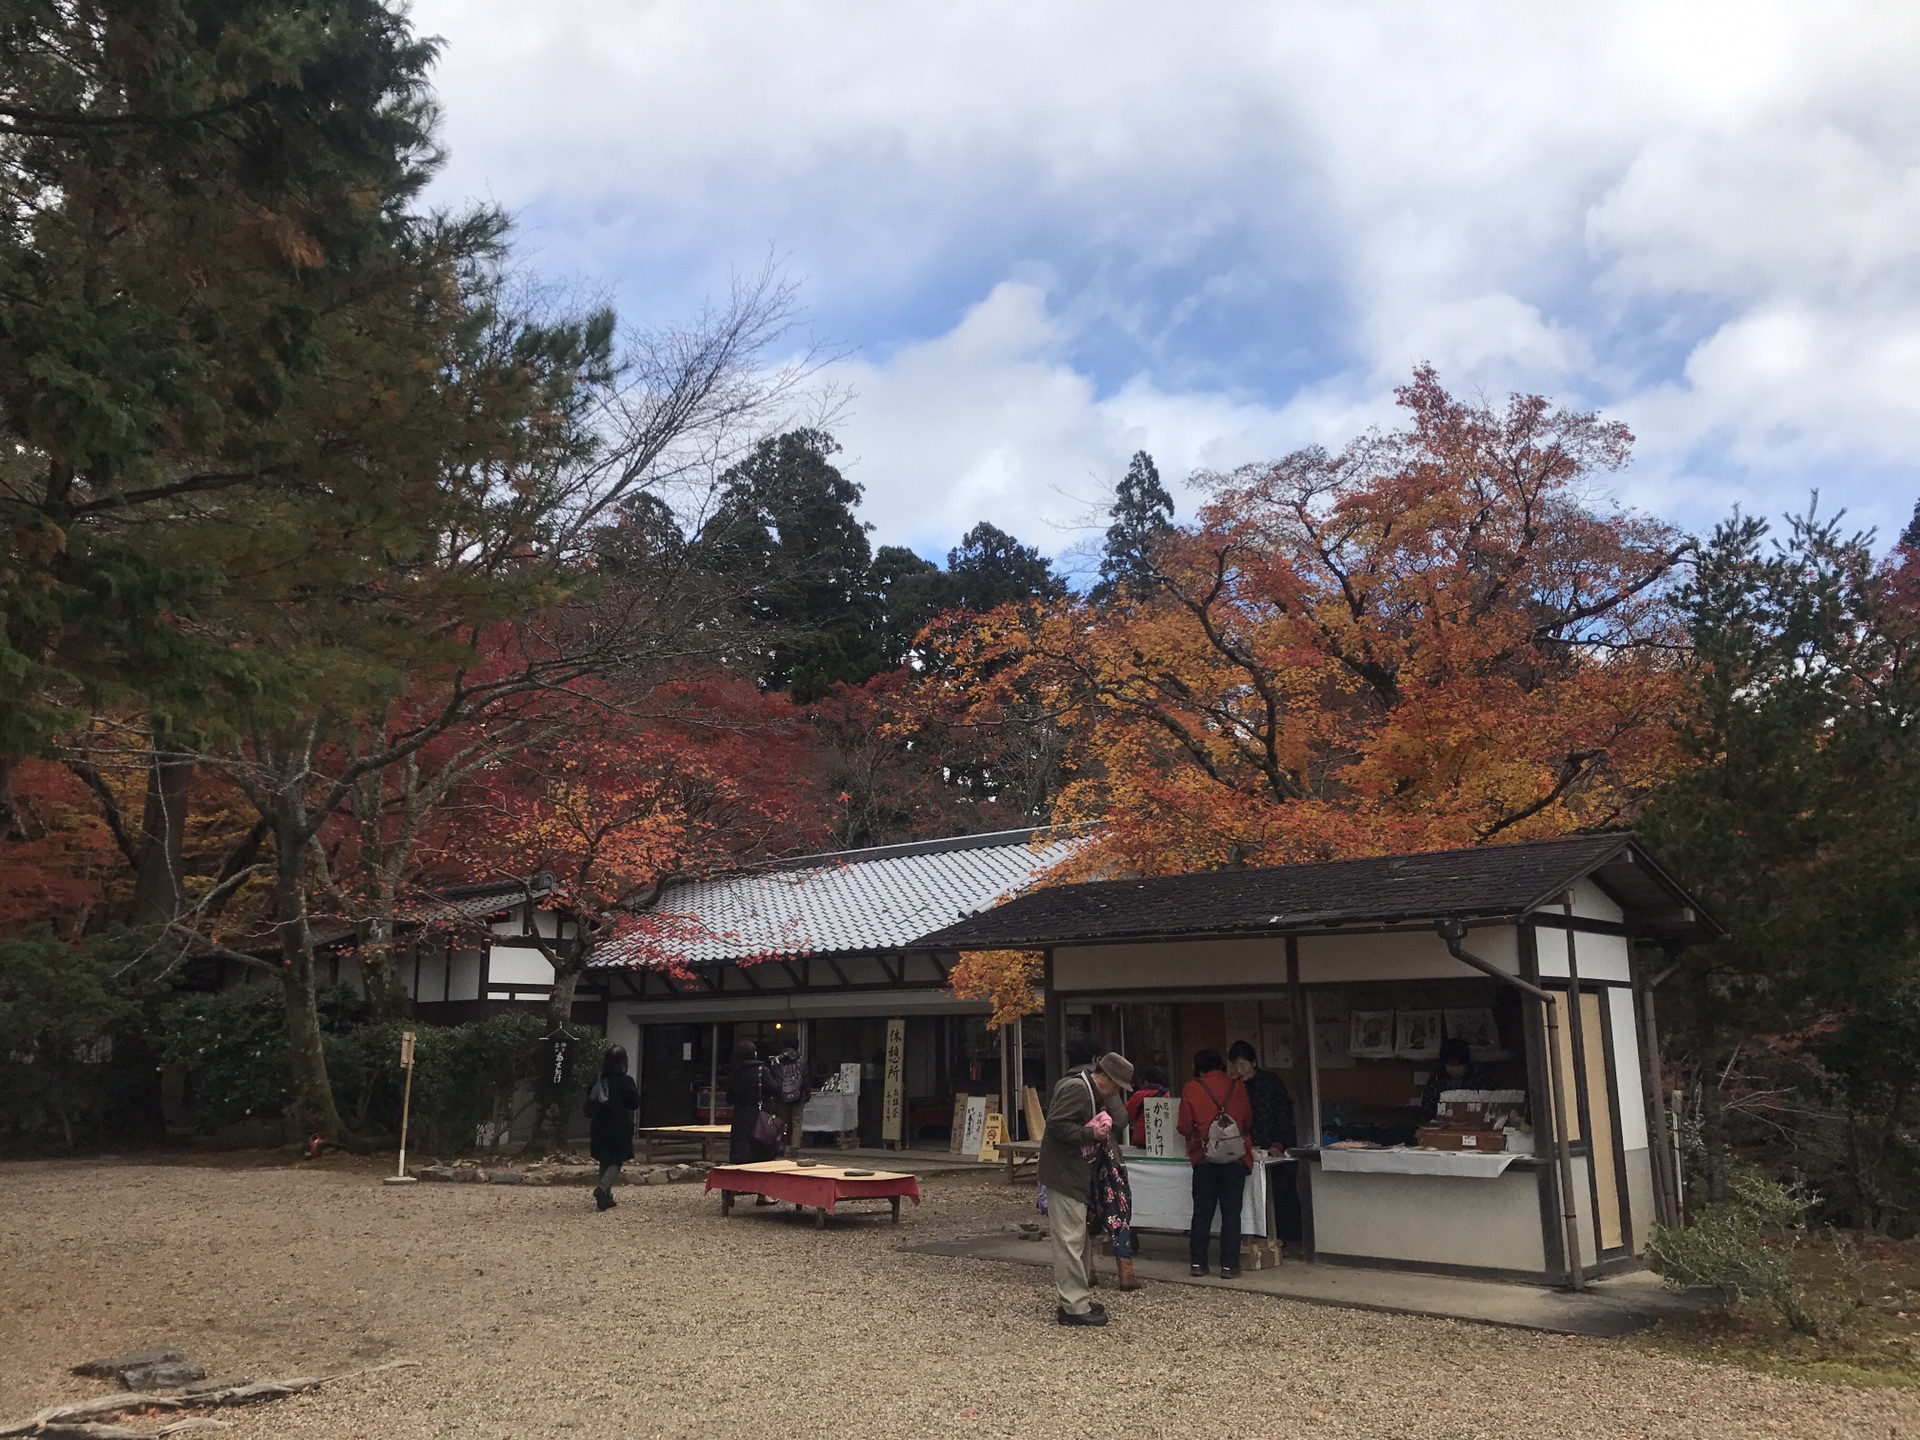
610, 1106
750, 1090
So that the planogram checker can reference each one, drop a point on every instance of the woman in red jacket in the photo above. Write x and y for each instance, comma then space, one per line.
1216, 1118
1152, 1084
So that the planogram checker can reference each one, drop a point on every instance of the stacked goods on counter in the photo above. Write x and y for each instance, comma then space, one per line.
1489, 1121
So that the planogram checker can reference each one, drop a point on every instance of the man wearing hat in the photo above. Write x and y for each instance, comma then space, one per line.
1083, 1109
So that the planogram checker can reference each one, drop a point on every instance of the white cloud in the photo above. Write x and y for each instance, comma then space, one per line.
1703, 218
990, 422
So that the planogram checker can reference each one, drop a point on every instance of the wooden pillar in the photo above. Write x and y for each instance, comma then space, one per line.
1666, 1188
1017, 1121
1306, 1092
1540, 1104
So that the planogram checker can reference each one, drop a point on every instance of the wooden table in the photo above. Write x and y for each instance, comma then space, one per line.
698, 1141
804, 1184
1019, 1153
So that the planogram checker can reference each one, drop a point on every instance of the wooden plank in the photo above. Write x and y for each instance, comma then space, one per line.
1036, 1116
1595, 1034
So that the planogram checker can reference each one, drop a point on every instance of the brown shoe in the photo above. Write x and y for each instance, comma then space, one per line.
1229, 1272
1128, 1280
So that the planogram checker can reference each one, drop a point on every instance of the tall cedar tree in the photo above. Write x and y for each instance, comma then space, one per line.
1142, 515
188, 191
1429, 639
785, 528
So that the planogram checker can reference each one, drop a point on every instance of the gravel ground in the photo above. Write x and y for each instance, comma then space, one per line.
531, 1315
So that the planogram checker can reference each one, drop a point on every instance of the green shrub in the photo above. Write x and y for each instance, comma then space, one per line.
233, 1047
1745, 1247
73, 1064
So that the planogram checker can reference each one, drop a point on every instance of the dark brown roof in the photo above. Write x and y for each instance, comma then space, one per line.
1486, 883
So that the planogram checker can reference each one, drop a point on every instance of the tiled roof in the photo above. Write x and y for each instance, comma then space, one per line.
850, 902
468, 902
1483, 883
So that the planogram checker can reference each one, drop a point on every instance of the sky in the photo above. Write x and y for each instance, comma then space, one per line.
1043, 236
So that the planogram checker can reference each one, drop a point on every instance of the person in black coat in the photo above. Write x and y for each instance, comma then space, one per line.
751, 1089
610, 1132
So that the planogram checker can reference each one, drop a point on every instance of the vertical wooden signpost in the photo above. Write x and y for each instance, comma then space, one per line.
406, 1105
893, 1097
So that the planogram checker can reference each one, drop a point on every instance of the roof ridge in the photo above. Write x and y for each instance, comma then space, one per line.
984, 840
1588, 837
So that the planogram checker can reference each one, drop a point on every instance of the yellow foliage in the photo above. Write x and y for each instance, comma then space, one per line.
1009, 978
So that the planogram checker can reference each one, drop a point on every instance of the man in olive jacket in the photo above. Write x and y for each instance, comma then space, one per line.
1083, 1108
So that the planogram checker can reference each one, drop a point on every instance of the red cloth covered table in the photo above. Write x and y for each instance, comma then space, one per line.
821, 1186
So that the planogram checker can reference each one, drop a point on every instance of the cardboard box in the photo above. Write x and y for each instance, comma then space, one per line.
1482, 1142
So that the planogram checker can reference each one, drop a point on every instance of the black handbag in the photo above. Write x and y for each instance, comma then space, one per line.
768, 1132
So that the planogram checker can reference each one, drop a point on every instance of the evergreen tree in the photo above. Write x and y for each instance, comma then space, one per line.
1799, 821
1142, 514
986, 569
989, 568
786, 534
912, 591
198, 204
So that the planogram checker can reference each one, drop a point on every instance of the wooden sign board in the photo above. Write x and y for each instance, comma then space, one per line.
850, 1078
893, 1093
959, 1133
1036, 1116
992, 1131
1162, 1114
974, 1126
406, 1049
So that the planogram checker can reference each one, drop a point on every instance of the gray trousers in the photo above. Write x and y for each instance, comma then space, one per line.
609, 1176
1067, 1235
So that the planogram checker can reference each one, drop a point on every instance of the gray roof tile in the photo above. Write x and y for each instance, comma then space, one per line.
853, 901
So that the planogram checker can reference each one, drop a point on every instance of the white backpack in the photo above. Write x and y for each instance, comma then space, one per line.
1225, 1144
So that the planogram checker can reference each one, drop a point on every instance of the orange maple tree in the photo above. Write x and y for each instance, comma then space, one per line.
1009, 978
1436, 637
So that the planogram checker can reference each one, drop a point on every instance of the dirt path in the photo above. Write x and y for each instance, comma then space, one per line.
533, 1316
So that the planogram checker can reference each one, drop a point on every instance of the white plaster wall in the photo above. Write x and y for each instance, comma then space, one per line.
463, 980
1632, 1093
1600, 957
1639, 1168
1257, 964
1550, 945
432, 982
1261, 964
1590, 901
1431, 1219
517, 965
1415, 955
1583, 1208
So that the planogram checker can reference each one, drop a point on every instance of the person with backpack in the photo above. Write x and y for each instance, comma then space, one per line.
1082, 1111
612, 1100
790, 1086
1215, 1119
